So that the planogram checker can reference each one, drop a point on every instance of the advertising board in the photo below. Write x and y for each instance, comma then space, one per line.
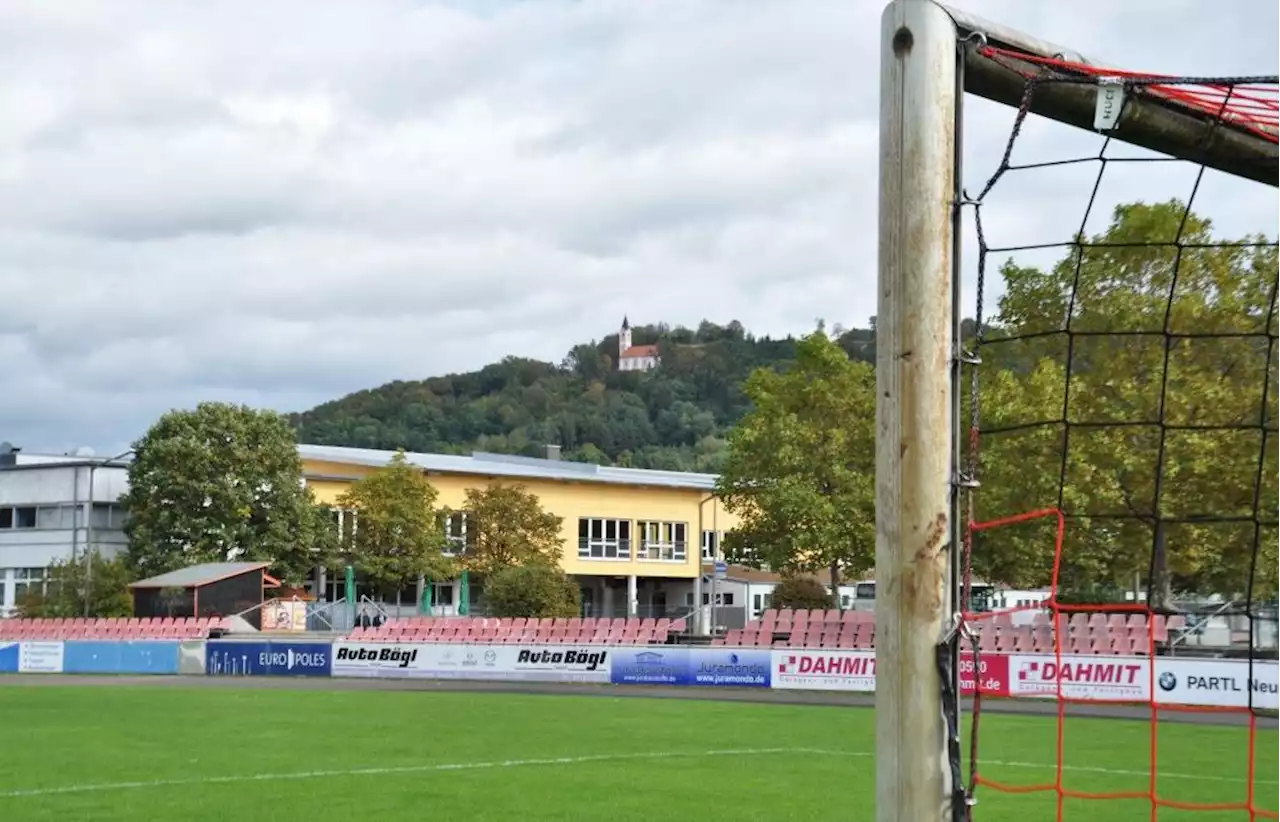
1100, 678
730, 667
855, 671
1224, 683
8, 657
531, 663
141, 657
991, 674
230, 658
811, 670
40, 657
380, 659
651, 665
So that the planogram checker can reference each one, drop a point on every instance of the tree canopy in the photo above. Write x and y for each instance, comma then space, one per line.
1157, 405
218, 483
88, 585
506, 526
801, 592
800, 472
676, 417
398, 535
537, 590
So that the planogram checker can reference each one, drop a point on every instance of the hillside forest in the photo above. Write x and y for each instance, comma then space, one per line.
676, 417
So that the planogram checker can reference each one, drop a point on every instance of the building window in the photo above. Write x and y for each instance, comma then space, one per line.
60, 517
722, 599
604, 538
107, 515
663, 541
455, 533
710, 546
63, 517
865, 590
345, 521
27, 581
760, 603
22, 516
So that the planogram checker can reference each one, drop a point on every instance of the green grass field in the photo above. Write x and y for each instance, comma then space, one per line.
220, 754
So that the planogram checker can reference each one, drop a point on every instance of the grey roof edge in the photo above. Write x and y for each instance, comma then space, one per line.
194, 576
514, 467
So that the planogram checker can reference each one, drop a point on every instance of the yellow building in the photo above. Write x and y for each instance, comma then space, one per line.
634, 539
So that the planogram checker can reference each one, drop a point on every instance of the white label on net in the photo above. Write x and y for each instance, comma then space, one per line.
1106, 112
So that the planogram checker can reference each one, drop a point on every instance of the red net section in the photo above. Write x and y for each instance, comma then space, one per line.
1253, 107
1126, 639
1120, 560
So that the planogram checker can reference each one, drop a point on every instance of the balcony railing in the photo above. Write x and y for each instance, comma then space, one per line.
663, 551
604, 549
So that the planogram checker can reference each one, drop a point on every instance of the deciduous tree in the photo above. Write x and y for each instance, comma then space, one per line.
800, 471
220, 482
88, 580
536, 590
507, 526
1136, 401
398, 534
801, 592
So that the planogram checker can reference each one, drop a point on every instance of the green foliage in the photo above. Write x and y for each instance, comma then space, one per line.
801, 467
398, 534
676, 417
69, 583
801, 592
1112, 469
531, 591
506, 526
217, 483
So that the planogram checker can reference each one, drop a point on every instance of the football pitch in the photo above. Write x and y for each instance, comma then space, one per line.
217, 754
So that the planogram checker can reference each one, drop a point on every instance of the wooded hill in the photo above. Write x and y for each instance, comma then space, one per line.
675, 417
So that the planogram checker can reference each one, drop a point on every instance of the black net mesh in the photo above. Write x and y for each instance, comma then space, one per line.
1121, 421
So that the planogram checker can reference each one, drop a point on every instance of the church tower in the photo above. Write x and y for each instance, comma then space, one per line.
624, 338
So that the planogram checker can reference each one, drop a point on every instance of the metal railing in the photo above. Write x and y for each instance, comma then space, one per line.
604, 549
320, 616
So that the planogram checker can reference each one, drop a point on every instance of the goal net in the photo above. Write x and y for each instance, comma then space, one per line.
1101, 248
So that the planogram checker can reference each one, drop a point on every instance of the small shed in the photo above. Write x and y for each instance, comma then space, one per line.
213, 589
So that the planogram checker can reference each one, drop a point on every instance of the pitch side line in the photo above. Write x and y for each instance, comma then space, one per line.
523, 763
389, 771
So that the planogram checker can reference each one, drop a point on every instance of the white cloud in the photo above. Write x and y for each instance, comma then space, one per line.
278, 203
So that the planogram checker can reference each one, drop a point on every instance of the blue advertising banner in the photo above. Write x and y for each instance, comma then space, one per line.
142, 657
731, 667
671, 665
651, 665
8, 657
230, 658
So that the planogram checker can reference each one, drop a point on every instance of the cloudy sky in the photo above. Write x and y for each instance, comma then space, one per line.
279, 203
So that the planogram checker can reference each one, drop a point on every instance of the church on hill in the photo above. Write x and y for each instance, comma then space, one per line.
634, 357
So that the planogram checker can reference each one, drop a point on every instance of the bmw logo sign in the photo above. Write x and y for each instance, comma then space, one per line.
1168, 681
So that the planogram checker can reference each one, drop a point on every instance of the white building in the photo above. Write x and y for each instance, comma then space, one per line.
634, 357
51, 508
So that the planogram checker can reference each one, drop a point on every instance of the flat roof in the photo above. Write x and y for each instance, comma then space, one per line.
197, 575
481, 463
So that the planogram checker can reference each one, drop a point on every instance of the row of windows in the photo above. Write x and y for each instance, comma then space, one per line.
455, 529
611, 539
598, 537
59, 517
